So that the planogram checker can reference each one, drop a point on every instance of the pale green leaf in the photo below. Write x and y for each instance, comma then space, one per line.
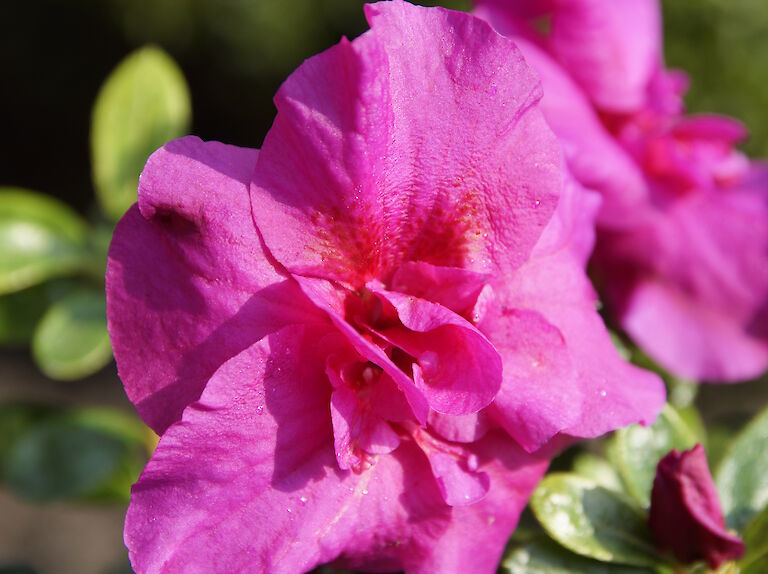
593, 521
636, 450
71, 340
742, 475
41, 238
143, 104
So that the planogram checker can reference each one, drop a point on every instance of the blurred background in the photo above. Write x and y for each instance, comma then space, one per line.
70, 445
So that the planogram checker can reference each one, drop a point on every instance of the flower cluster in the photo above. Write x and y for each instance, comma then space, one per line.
363, 343
682, 249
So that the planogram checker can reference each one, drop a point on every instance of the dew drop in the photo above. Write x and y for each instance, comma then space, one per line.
365, 491
428, 361
472, 462
259, 409
537, 203
303, 499
603, 393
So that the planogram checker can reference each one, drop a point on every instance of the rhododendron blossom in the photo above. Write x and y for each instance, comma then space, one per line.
682, 248
363, 343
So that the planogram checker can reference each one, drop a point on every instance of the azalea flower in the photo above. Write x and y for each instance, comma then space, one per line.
685, 515
682, 248
363, 343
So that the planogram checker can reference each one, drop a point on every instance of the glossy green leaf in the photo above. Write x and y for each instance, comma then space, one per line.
543, 556
41, 238
755, 536
741, 476
593, 521
71, 340
598, 469
143, 104
635, 451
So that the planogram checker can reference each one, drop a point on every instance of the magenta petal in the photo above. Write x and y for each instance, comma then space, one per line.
257, 450
479, 532
459, 369
387, 150
685, 515
540, 395
453, 288
463, 428
692, 287
690, 337
613, 49
455, 470
188, 285
354, 428
594, 157
330, 298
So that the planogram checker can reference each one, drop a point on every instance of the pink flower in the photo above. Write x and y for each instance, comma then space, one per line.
363, 343
685, 515
682, 249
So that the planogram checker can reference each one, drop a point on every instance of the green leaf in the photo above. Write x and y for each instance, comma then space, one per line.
15, 420
41, 238
741, 475
143, 104
593, 521
635, 451
57, 459
755, 537
92, 454
20, 313
598, 469
71, 340
543, 556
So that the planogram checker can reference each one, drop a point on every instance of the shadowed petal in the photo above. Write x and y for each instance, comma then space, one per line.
188, 285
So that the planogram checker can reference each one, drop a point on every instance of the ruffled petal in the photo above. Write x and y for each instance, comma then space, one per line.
257, 449
387, 150
188, 285
554, 285
459, 370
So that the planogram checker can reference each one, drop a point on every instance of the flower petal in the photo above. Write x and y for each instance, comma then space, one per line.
387, 150
612, 49
257, 449
330, 298
553, 284
540, 395
594, 157
691, 288
459, 369
453, 288
188, 285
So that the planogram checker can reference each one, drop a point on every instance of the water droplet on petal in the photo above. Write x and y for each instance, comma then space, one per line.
603, 393
259, 409
472, 462
303, 499
428, 361
365, 491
